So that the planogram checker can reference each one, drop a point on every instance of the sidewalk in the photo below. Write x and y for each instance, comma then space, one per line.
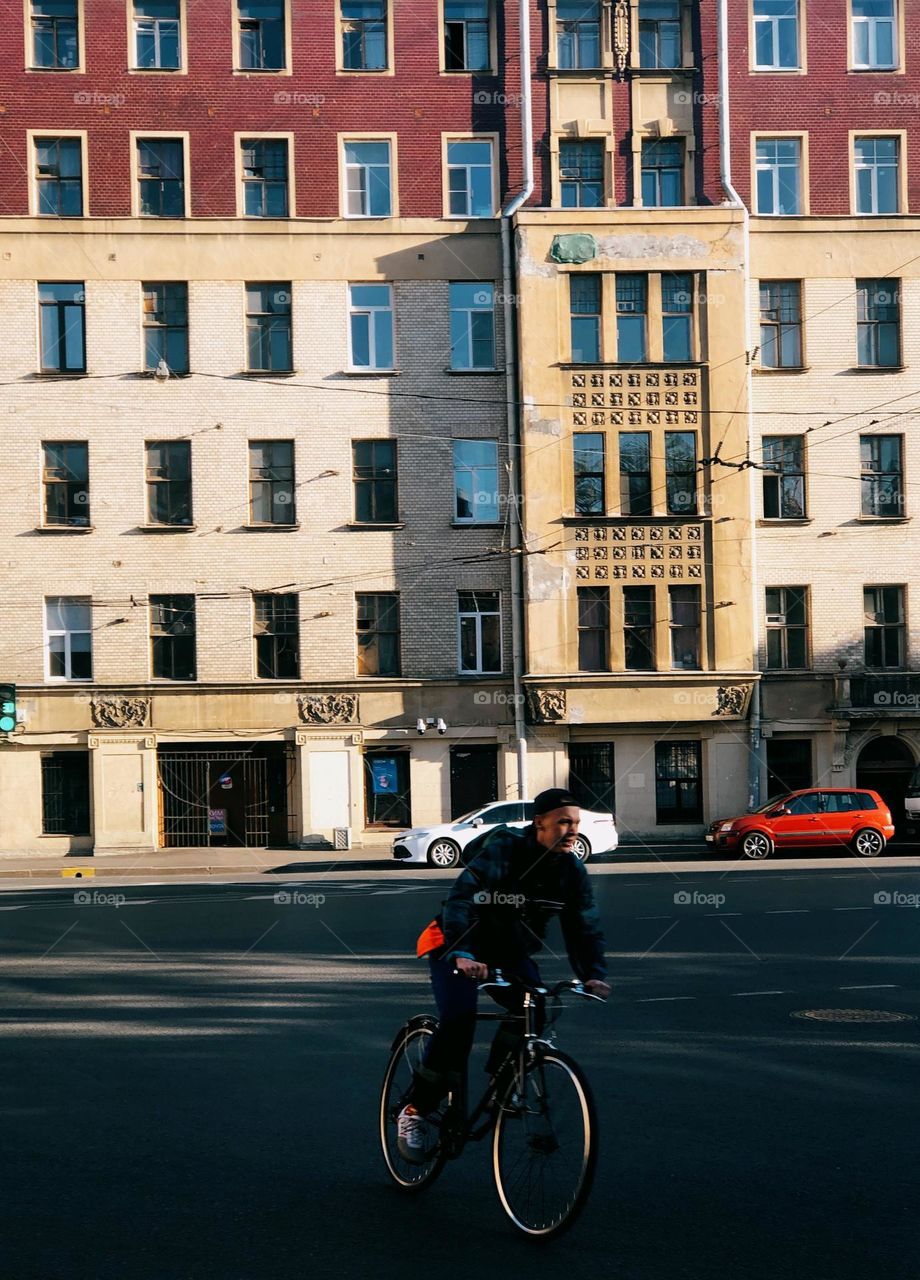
186, 862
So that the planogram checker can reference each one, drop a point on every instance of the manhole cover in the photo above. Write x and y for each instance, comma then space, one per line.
852, 1015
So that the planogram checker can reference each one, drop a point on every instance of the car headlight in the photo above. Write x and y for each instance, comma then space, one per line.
726, 826
419, 835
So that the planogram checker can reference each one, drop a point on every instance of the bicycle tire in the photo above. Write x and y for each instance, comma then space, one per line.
407, 1052
519, 1189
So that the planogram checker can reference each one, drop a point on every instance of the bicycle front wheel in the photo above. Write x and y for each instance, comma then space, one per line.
545, 1146
406, 1058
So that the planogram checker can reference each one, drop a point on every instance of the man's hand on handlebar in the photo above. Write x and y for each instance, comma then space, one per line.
472, 969
597, 987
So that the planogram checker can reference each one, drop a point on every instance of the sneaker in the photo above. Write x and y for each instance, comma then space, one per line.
413, 1136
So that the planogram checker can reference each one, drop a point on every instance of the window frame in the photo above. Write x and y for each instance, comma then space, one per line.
33, 137
377, 675
900, 627
48, 758
147, 286
625, 502
29, 41
240, 138
442, 44
492, 139
897, 43
675, 628
374, 479
554, 34
645, 277
154, 635
585, 596
341, 69
473, 471
779, 326
468, 334
151, 481
779, 473
678, 815
373, 312
284, 615
899, 137
160, 135
785, 627
283, 287
132, 66
578, 184
277, 487
344, 140
631, 628
576, 353
648, 143
72, 499
80, 301
600, 475
861, 289
638, 22
801, 43
691, 508
479, 614
780, 135
286, 69
876, 478
48, 632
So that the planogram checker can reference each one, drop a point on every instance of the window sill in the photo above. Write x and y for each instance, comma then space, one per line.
57, 71
166, 528
763, 371
477, 524
269, 527
656, 365
146, 71
60, 375
64, 528
370, 373
469, 71
465, 373
882, 520
794, 522
267, 373
661, 72
777, 71
876, 368
370, 525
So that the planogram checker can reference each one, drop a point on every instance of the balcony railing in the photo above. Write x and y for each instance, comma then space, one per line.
881, 693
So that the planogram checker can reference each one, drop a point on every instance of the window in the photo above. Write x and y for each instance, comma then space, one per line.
678, 796
680, 472
635, 473
374, 470
685, 628
783, 478
370, 311
271, 482
166, 326
876, 161
776, 35
632, 311
480, 633
779, 180
781, 324
65, 793
59, 177
62, 324
476, 481
466, 35
469, 179
662, 172
472, 326
172, 637
788, 765
677, 316
659, 33
268, 328
878, 323
55, 45
364, 35
65, 476
874, 35
593, 629
156, 35
884, 627
265, 178
578, 34
591, 775
639, 628
590, 480
261, 35
787, 628
378, 634
68, 628
387, 788
367, 180
169, 482
585, 317
161, 177
581, 174
277, 637
799, 806
882, 479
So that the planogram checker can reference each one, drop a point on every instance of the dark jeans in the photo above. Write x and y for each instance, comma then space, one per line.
449, 1047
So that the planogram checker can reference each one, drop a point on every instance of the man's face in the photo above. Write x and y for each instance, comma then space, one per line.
558, 828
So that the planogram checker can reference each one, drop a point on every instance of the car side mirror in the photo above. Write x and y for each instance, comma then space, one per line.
781, 812
477, 822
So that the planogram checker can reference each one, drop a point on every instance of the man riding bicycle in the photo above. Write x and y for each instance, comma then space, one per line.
496, 916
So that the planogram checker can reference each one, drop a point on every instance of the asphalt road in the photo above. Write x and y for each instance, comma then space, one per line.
191, 1073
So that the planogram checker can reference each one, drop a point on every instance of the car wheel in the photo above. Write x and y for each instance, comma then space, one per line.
443, 853
756, 844
581, 848
868, 842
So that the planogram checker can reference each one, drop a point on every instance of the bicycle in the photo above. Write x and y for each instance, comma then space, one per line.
537, 1104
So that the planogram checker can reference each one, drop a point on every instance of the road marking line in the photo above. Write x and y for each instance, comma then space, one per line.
723, 914
654, 917
662, 999
872, 986
761, 993
851, 908
790, 911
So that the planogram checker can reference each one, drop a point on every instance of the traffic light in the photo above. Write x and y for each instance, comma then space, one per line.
7, 708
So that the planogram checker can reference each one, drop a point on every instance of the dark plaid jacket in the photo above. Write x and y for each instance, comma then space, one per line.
499, 908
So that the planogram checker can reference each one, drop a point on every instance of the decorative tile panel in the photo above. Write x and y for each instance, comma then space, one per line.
632, 545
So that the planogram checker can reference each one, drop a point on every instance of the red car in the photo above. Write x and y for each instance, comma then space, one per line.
820, 818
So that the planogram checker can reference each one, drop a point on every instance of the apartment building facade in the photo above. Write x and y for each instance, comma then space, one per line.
254, 370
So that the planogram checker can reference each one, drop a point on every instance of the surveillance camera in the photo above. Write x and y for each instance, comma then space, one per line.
442, 727
420, 725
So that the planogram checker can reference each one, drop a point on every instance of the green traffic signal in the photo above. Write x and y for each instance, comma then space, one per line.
7, 708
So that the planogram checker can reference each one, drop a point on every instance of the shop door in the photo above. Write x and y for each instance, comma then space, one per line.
473, 778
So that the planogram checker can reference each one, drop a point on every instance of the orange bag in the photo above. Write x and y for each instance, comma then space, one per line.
430, 939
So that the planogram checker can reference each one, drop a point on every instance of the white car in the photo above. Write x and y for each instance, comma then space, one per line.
443, 845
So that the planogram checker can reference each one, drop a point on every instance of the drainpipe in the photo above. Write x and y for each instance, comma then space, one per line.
725, 168
515, 523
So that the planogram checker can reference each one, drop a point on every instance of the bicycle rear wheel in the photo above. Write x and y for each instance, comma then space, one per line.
406, 1058
544, 1149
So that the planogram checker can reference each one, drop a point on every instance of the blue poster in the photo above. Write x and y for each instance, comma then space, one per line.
217, 822
383, 773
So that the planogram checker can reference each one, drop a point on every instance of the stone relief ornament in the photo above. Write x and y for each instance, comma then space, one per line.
328, 708
621, 33
546, 706
731, 699
120, 712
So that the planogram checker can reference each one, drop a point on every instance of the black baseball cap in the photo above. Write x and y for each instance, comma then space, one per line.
554, 798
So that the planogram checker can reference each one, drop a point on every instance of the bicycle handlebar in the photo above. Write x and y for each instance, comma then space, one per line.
574, 985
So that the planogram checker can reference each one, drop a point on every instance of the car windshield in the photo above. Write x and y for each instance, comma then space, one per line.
465, 817
771, 804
